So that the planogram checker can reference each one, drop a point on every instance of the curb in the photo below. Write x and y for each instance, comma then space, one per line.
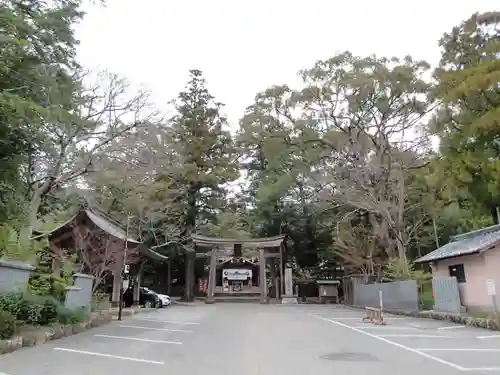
130, 312
490, 323
55, 331
41, 335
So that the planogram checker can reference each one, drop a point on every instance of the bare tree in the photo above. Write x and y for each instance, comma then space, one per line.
104, 111
365, 114
100, 255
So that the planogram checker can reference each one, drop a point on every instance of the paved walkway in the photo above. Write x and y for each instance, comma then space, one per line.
250, 339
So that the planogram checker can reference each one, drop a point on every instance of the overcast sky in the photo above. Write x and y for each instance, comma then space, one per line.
245, 46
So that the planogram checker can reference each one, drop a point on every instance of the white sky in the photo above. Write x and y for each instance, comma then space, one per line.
245, 46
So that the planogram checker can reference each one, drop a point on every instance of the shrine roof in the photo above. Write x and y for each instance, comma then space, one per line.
106, 224
275, 241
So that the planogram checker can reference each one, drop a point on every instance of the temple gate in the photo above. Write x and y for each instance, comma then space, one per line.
238, 267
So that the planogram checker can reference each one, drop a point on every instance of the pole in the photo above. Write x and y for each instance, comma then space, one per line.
381, 299
282, 280
495, 307
122, 271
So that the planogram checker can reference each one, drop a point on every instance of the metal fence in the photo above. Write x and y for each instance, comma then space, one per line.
447, 295
397, 295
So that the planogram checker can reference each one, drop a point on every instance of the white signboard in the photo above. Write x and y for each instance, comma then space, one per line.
288, 282
490, 285
237, 274
126, 283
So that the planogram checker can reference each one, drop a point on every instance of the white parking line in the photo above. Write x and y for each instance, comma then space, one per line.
361, 317
139, 339
386, 327
109, 356
458, 350
482, 369
421, 336
407, 348
164, 321
488, 337
155, 329
450, 327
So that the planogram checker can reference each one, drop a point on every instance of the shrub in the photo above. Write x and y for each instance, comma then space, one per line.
30, 309
69, 316
12, 303
100, 301
7, 325
39, 310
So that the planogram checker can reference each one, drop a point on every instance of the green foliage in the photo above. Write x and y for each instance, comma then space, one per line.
467, 122
12, 248
68, 316
340, 164
44, 282
8, 325
39, 310
398, 269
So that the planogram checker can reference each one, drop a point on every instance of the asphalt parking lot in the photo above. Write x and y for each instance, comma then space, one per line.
253, 339
462, 348
141, 342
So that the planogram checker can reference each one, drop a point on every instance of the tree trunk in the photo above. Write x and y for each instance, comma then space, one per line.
169, 276
494, 213
189, 288
27, 231
190, 253
434, 226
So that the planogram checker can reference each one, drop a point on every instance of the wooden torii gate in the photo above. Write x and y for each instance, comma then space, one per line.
212, 248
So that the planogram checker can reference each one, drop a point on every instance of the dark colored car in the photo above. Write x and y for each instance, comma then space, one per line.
148, 298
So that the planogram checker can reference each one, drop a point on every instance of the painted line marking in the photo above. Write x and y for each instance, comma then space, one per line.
139, 339
155, 329
361, 317
385, 327
488, 337
110, 356
450, 327
407, 348
482, 369
165, 321
458, 350
422, 336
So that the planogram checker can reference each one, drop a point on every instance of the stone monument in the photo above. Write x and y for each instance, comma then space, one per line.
289, 297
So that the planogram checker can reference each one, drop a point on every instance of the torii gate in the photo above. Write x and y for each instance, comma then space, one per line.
261, 248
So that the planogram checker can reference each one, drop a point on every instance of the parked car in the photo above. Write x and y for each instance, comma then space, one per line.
162, 300
148, 298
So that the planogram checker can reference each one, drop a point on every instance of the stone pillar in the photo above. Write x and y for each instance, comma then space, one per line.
274, 278
282, 279
262, 276
211, 277
80, 294
276, 281
289, 296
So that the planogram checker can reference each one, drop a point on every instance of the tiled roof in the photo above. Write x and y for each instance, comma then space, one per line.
465, 244
106, 224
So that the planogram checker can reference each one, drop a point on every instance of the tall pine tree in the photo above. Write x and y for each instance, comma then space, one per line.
207, 162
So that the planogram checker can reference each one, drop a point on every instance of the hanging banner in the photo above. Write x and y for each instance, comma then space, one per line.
237, 274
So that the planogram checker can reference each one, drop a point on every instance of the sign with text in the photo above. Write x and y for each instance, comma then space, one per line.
237, 274
288, 282
490, 286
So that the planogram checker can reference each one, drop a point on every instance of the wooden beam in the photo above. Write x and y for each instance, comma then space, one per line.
256, 243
